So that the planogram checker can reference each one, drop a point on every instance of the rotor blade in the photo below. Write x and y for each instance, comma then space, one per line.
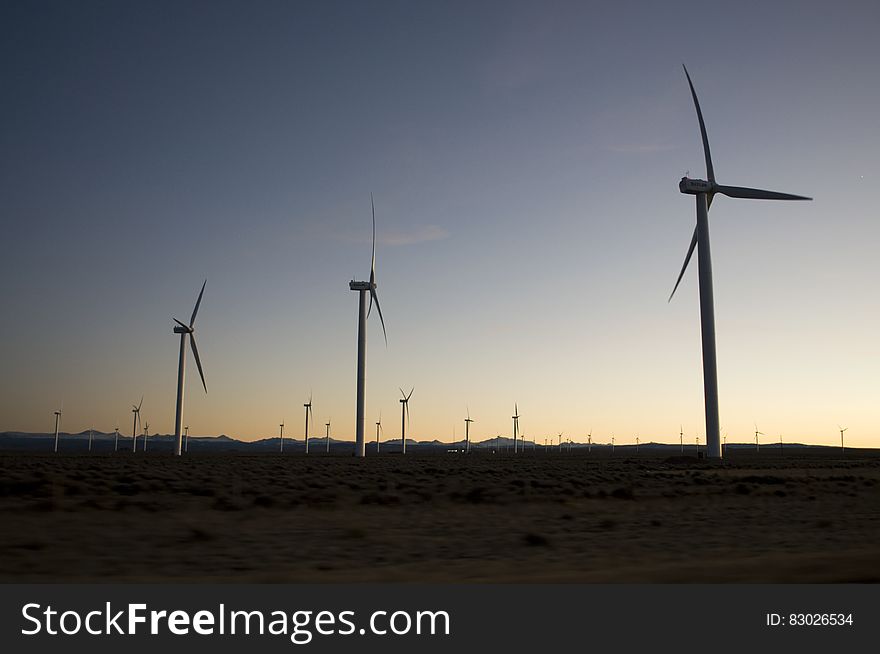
373, 295
401, 392
192, 340
710, 172
406, 409
373, 260
516, 409
757, 194
198, 302
181, 324
410, 393
687, 260
141, 402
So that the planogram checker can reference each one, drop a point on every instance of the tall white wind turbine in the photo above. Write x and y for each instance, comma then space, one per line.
515, 417
116, 440
757, 433
146, 434
467, 432
363, 313
842, 429
308, 408
135, 423
57, 424
183, 330
404, 415
704, 192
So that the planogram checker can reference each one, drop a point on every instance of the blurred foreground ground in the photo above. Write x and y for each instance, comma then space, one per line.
808, 516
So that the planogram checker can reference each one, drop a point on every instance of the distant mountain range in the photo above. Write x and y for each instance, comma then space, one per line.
104, 442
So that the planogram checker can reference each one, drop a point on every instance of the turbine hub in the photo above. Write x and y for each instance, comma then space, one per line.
181, 330
359, 286
695, 186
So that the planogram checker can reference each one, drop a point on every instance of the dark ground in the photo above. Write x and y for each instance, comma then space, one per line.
809, 516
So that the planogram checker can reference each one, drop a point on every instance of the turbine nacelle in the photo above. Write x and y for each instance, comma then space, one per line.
695, 186
360, 286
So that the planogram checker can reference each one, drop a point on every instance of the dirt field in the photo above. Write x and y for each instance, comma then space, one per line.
804, 517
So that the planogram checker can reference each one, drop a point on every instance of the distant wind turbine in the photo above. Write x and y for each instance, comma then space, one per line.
515, 417
183, 330
704, 192
186, 439
637, 445
363, 313
57, 424
328, 437
90, 440
842, 429
467, 432
404, 415
146, 434
281, 450
612, 444
590, 442
757, 433
116, 440
135, 423
378, 429
308, 407
681, 437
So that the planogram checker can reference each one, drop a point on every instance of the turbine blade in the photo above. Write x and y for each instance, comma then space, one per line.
687, 260
710, 171
401, 392
181, 324
192, 341
140, 403
757, 194
373, 260
410, 393
379, 308
198, 302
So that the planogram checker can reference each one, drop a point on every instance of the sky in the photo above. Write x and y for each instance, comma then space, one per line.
524, 158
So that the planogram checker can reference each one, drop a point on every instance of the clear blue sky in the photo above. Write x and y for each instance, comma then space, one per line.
524, 158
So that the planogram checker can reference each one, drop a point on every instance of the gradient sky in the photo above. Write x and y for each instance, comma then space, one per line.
524, 158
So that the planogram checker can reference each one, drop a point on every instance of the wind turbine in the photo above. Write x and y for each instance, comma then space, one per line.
363, 313
57, 423
467, 432
681, 437
637, 445
116, 440
282, 437
515, 417
612, 444
135, 423
704, 192
308, 408
186, 439
146, 434
404, 413
378, 428
90, 440
590, 442
328, 436
183, 330
757, 433
842, 429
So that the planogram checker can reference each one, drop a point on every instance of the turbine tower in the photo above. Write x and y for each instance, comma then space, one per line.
308, 408
404, 413
328, 436
704, 191
281, 451
186, 439
842, 429
378, 428
57, 423
135, 423
515, 417
467, 432
183, 330
363, 313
